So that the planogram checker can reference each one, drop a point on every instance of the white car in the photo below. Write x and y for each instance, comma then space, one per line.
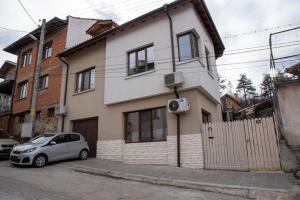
50, 147
6, 144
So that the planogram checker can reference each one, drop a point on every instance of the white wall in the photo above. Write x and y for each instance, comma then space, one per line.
119, 88
76, 30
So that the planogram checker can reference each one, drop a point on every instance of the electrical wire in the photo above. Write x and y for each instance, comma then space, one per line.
28, 13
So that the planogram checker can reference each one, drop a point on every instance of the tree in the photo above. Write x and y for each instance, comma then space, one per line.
229, 86
222, 84
245, 86
266, 85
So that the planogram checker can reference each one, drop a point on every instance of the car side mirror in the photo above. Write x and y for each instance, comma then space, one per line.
52, 143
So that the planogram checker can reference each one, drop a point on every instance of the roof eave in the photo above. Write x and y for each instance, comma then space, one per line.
14, 47
218, 44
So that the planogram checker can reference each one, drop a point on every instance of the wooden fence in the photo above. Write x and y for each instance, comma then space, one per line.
241, 145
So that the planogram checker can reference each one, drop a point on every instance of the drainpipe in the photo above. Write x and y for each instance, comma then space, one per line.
175, 87
65, 91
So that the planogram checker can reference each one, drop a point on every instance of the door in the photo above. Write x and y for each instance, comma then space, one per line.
89, 130
249, 144
59, 151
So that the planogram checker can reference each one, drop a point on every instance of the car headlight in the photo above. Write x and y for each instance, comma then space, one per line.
29, 150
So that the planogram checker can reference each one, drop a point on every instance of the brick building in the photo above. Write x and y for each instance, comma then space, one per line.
60, 34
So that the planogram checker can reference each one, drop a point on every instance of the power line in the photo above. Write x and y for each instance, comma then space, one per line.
27, 13
15, 30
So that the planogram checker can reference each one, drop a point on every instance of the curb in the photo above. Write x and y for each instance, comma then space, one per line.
247, 192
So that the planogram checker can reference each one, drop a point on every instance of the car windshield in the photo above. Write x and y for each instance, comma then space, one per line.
42, 138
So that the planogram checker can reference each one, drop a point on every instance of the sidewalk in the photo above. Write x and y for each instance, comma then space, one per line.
266, 185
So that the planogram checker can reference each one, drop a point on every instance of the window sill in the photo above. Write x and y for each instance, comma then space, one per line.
140, 74
42, 89
20, 99
85, 91
210, 74
189, 61
144, 142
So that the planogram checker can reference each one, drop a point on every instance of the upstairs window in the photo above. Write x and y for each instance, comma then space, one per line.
207, 55
146, 125
43, 82
23, 88
85, 80
187, 46
47, 51
141, 60
27, 55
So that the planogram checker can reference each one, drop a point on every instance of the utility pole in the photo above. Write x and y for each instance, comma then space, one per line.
36, 82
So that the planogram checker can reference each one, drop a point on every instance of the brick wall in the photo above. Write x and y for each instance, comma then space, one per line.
49, 97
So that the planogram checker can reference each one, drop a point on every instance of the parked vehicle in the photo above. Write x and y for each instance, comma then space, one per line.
6, 144
50, 147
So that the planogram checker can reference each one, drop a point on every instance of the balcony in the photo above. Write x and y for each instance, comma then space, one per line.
5, 103
5, 95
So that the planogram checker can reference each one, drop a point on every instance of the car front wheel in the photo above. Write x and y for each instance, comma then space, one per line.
83, 155
40, 160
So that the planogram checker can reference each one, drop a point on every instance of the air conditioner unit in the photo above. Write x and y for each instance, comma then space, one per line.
174, 79
180, 105
60, 110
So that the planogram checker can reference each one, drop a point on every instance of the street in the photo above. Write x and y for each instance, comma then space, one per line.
55, 182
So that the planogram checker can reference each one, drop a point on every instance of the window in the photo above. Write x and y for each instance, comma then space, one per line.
146, 126
21, 118
51, 112
207, 55
47, 51
206, 117
43, 82
187, 46
74, 137
141, 60
38, 115
85, 80
27, 55
23, 87
63, 138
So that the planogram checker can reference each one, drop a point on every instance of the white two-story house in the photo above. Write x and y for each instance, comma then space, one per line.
116, 92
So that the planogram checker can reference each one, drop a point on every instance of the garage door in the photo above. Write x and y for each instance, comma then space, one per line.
89, 129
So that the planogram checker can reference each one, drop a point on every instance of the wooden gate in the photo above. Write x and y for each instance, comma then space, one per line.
241, 145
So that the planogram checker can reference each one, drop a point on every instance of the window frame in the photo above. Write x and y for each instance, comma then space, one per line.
135, 52
193, 47
207, 57
22, 118
44, 82
47, 48
22, 94
165, 125
27, 58
209, 116
52, 109
77, 89
38, 115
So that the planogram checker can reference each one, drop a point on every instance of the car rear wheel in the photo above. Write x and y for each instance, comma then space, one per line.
83, 155
40, 160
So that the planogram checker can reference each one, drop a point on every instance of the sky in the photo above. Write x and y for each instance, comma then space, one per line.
244, 26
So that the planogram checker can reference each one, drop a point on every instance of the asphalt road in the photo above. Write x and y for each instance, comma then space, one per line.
56, 182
